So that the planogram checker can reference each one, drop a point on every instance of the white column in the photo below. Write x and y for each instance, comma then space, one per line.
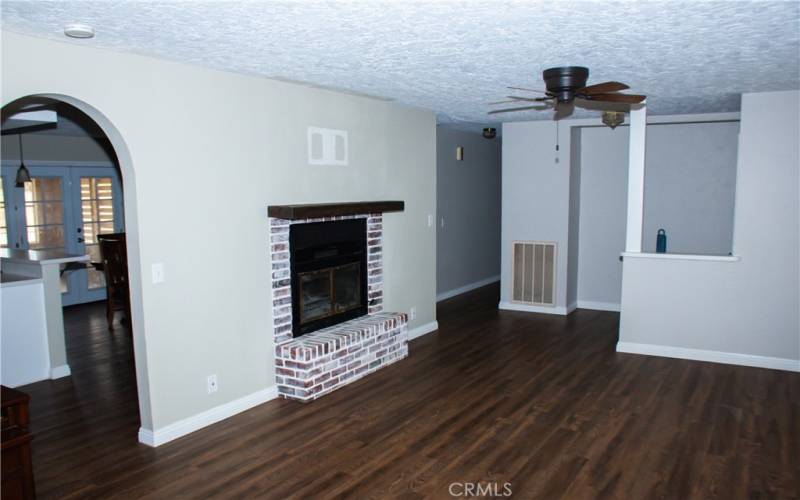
638, 122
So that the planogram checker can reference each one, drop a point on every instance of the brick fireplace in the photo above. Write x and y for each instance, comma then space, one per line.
323, 339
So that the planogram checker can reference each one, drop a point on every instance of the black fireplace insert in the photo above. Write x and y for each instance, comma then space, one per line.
329, 273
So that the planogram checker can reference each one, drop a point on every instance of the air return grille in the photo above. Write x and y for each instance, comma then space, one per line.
533, 272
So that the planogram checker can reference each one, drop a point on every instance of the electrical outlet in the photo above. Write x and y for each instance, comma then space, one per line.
158, 272
212, 383
412, 314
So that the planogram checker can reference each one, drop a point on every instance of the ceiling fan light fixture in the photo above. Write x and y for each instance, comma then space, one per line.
613, 118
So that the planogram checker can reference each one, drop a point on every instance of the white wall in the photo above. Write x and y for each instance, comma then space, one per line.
203, 154
535, 198
744, 311
690, 178
468, 201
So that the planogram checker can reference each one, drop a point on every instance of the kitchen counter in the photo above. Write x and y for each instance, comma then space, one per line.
40, 256
40, 269
9, 280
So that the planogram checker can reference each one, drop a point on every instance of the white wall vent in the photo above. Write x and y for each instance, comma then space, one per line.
533, 272
327, 146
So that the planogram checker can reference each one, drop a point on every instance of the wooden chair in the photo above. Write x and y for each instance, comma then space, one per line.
114, 253
17, 476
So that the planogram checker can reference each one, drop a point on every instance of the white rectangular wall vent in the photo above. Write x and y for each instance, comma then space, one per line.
533, 273
327, 146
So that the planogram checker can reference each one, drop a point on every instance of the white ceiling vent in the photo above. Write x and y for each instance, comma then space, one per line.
327, 146
533, 273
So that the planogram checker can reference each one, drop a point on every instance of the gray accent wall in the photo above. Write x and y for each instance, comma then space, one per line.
574, 217
603, 209
690, 180
578, 197
40, 147
468, 209
536, 185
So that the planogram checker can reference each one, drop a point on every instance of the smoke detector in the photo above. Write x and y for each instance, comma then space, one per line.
79, 31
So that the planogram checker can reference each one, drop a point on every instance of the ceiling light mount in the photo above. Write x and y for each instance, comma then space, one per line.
77, 30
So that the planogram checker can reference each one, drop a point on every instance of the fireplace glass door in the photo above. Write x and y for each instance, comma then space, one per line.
329, 291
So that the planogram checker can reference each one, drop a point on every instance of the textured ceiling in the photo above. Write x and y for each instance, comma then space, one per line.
454, 58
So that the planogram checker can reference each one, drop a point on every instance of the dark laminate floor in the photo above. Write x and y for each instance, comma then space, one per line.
542, 402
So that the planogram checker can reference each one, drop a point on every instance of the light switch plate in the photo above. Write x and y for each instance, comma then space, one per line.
158, 272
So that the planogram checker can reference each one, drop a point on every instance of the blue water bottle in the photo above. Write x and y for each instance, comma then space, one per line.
661, 241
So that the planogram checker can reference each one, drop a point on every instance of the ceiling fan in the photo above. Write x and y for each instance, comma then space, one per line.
566, 86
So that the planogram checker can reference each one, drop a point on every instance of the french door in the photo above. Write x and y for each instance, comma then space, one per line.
65, 208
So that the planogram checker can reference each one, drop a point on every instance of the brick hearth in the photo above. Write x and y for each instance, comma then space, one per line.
319, 362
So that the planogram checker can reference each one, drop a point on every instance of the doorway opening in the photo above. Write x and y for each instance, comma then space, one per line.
70, 200
73, 196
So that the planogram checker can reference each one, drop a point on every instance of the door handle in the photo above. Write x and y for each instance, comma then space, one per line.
80, 240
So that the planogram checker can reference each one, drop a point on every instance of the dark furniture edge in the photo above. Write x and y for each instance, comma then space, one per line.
317, 210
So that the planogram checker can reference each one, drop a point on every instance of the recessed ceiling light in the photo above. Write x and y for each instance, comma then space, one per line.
79, 31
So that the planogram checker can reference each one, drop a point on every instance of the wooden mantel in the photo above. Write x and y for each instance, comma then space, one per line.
318, 210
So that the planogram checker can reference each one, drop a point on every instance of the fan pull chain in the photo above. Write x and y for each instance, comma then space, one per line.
557, 141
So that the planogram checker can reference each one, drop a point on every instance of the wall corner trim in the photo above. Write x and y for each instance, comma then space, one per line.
60, 372
510, 306
423, 330
188, 425
467, 288
729, 358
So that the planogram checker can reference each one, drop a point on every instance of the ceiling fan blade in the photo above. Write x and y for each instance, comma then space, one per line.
627, 98
524, 108
601, 88
502, 102
529, 90
532, 99
563, 110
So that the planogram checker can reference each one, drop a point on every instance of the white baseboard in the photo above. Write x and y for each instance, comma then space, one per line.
598, 306
206, 418
510, 306
466, 288
423, 330
60, 371
729, 358
572, 307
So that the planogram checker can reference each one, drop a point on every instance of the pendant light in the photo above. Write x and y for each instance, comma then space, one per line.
23, 175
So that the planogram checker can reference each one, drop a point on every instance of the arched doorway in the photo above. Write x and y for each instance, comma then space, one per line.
117, 152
